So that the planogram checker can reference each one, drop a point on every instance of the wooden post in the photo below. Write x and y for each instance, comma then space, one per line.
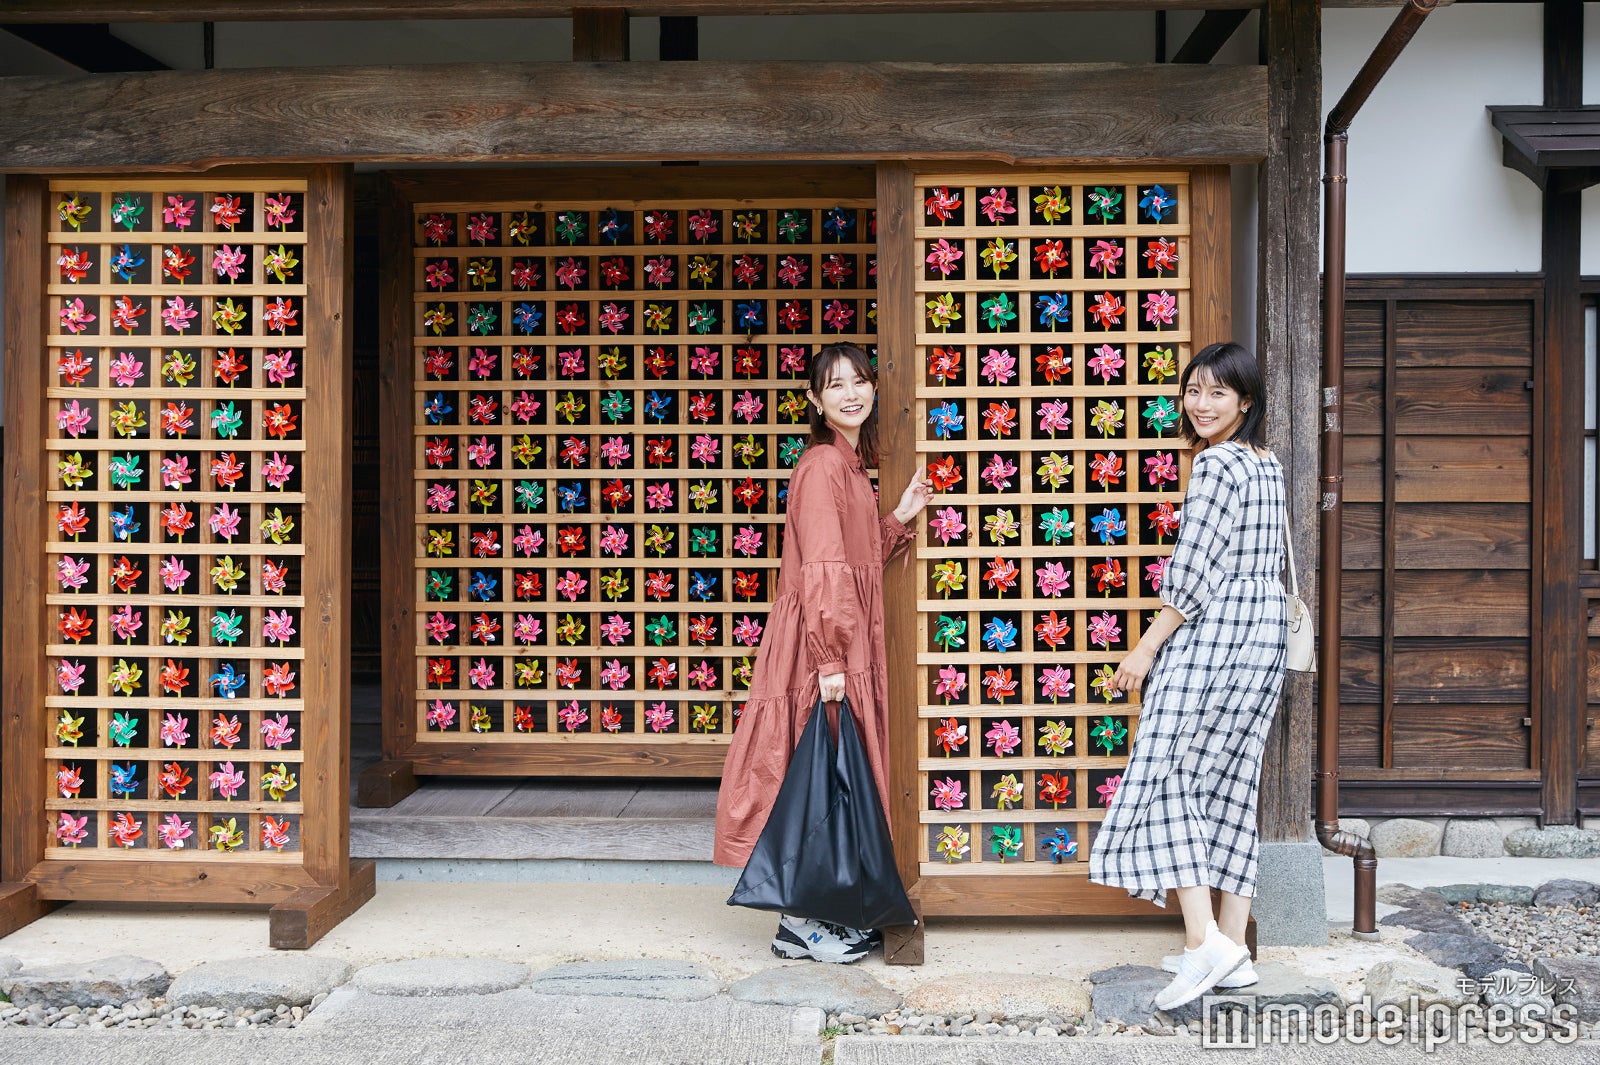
1559, 646
897, 381
1287, 331
599, 34
22, 826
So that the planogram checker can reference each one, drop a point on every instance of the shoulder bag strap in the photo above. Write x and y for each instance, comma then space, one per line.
1288, 544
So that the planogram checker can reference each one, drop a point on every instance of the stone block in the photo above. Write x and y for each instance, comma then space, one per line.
676, 981
1406, 837
1409, 898
258, 983
1459, 893
1472, 837
1554, 841
1578, 983
1576, 893
433, 977
1516, 989
1127, 993
1429, 921
1457, 951
1509, 894
1284, 985
1290, 907
831, 988
104, 981
1400, 980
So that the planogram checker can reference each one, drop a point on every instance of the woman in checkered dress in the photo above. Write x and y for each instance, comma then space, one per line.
1211, 668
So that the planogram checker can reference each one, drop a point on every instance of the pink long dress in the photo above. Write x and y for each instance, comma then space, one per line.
827, 618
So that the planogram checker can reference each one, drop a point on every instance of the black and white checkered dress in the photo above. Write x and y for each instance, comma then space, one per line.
1185, 814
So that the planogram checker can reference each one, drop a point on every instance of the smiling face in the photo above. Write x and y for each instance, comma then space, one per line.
845, 400
1215, 410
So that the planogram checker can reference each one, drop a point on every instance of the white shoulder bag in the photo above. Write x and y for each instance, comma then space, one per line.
1302, 642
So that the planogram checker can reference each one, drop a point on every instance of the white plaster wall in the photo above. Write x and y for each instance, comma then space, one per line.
1427, 191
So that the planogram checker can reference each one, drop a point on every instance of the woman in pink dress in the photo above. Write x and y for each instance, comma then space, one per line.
825, 633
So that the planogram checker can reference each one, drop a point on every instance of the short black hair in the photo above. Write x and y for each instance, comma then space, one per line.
1232, 366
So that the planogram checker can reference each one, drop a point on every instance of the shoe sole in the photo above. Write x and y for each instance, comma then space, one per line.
1230, 982
1223, 969
797, 953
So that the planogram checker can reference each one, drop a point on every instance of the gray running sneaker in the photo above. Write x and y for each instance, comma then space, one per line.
799, 937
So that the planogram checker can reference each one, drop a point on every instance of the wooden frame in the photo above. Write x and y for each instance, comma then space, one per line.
614, 112
300, 864
517, 731
1204, 301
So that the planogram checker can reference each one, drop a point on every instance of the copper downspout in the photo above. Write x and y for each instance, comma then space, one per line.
1331, 560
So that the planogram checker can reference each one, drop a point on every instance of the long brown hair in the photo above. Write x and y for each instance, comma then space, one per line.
821, 369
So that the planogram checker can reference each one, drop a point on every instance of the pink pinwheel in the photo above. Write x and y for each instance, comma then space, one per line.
481, 675
1108, 790
659, 717
176, 472
1104, 630
748, 406
997, 204
172, 831
224, 522
227, 262
1156, 572
615, 675
615, 629
280, 366
1105, 256
177, 314
1052, 579
1055, 682
747, 540
174, 731
1106, 361
747, 631
944, 256
613, 318
525, 630
951, 683
999, 366
278, 627
947, 525
173, 573
1002, 738
997, 473
616, 451
75, 317
70, 676
73, 419
178, 213
1160, 308
72, 572
276, 732
528, 541
441, 715
1160, 469
439, 626
948, 795
1054, 415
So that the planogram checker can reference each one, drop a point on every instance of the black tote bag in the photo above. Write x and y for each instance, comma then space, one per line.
825, 852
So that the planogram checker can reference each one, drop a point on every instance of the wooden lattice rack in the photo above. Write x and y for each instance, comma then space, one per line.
1051, 313
187, 731
604, 401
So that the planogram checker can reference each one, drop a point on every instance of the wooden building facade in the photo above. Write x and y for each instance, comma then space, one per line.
573, 401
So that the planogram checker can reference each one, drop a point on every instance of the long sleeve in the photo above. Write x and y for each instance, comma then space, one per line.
1206, 529
829, 605
896, 536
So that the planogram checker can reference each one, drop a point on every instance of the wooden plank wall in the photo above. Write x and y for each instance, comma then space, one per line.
1441, 509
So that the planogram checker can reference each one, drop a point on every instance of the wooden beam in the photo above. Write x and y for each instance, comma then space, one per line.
89, 47
1559, 688
306, 916
1288, 343
1214, 31
314, 10
600, 35
513, 113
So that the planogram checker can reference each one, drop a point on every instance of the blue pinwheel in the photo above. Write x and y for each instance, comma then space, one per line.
999, 634
482, 586
436, 408
124, 779
750, 317
227, 681
1055, 308
569, 496
1109, 524
658, 406
526, 317
123, 525
1156, 203
1061, 846
613, 226
701, 585
946, 420
838, 222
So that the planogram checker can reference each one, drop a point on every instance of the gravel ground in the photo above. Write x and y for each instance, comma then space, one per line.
1529, 932
154, 1013
1053, 1026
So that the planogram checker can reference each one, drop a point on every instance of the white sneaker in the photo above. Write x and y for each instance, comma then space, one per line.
799, 937
1243, 976
1200, 969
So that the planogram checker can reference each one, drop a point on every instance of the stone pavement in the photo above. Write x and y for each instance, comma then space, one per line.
663, 973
